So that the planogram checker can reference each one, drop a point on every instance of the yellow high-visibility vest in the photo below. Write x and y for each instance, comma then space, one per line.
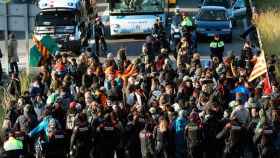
217, 44
13, 144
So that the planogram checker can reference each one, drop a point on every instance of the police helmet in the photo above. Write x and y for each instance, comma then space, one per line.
177, 10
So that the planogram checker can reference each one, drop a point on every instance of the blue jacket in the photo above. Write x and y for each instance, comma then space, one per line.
43, 125
179, 128
108, 85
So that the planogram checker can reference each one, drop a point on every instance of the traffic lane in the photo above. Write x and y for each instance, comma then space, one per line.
235, 46
134, 46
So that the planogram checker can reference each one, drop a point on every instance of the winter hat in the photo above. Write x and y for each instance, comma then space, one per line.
186, 78
182, 113
152, 110
72, 105
110, 56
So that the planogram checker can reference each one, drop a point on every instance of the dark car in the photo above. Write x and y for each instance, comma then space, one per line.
222, 3
212, 20
235, 8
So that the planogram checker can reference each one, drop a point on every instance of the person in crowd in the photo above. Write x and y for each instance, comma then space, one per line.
234, 134
154, 106
14, 85
162, 136
179, 131
158, 28
194, 136
99, 35
48, 125
13, 54
146, 139
27, 121
80, 140
217, 48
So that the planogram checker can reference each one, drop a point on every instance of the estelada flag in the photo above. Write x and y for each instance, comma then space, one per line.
259, 68
42, 50
131, 70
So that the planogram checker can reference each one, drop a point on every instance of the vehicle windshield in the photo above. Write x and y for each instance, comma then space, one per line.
223, 3
52, 18
136, 6
212, 15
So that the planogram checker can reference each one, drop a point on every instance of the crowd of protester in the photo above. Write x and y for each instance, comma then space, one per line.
149, 107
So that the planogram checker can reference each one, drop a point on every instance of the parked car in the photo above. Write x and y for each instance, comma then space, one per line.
235, 8
212, 20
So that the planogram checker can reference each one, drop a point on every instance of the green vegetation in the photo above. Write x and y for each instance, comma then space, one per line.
267, 4
5, 97
268, 23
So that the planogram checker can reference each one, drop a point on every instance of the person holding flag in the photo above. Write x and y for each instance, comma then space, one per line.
260, 69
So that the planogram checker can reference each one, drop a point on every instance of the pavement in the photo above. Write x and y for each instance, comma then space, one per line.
134, 44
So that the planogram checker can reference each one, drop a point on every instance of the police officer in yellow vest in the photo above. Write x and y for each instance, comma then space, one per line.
13, 148
186, 22
12, 143
217, 48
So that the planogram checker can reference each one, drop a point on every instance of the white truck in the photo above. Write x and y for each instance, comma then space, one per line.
61, 20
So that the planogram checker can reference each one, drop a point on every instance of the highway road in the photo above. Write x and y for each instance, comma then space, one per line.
134, 45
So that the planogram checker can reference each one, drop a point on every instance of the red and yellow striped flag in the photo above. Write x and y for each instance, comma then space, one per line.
42, 49
259, 68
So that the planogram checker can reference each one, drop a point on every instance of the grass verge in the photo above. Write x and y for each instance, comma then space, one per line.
5, 97
268, 23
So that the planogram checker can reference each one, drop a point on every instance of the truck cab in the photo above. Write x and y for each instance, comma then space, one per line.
50, 4
61, 20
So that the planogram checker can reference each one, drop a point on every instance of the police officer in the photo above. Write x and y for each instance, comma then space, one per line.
132, 141
13, 148
186, 24
106, 138
99, 35
233, 133
80, 139
217, 48
264, 139
177, 15
158, 28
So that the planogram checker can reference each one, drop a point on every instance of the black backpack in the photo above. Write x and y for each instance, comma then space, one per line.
194, 136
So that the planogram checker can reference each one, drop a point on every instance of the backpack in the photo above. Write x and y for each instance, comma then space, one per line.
70, 121
194, 136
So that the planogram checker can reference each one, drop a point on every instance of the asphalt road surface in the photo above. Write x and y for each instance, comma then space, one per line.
134, 45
